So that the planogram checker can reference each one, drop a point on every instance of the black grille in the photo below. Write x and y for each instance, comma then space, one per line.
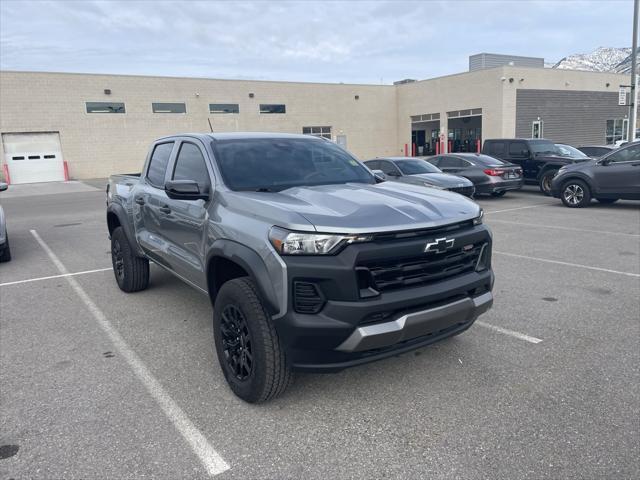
466, 191
419, 270
307, 298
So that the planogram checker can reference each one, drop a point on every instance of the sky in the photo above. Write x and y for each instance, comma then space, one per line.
316, 41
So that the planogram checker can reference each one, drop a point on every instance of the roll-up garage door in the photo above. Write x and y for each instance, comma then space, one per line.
33, 157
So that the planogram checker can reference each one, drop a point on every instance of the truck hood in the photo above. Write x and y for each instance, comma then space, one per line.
560, 158
357, 208
443, 180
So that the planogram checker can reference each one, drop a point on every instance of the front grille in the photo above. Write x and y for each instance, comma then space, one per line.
307, 298
466, 191
390, 274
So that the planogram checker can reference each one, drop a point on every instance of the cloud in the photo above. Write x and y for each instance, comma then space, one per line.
357, 41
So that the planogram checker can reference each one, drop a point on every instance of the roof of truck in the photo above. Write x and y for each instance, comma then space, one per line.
243, 135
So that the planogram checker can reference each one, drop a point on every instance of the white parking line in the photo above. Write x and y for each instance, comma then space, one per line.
511, 333
570, 229
576, 265
37, 279
518, 208
211, 460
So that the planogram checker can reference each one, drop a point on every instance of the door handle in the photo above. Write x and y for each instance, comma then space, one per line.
165, 209
139, 200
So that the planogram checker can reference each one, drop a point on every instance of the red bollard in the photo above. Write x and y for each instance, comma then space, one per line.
478, 145
413, 149
7, 178
450, 147
406, 150
437, 148
66, 171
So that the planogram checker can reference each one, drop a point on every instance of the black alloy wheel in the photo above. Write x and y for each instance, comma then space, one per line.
236, 341
118, 260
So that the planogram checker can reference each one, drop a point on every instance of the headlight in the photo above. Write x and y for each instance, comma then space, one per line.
297, 243
478, 219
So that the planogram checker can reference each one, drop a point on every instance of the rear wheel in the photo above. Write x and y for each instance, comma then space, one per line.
498, 194
6, 253
545, 181
247, 345
575, 194
607, 200
131, 271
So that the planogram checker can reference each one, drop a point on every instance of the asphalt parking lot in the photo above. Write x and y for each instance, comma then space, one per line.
96, 383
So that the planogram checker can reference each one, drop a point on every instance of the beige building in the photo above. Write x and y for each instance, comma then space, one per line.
96, 125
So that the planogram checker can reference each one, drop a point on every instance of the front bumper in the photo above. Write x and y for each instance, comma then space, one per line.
355, 327
417, 324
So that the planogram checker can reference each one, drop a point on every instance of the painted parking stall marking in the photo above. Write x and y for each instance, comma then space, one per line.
511, 333
208, 456
568, 264
50, 277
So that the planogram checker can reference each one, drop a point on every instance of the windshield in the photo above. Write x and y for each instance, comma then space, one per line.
544, 146
273, 164
415, 167
569, 151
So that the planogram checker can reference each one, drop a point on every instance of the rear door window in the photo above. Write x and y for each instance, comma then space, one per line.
190, 165
497, 148
451, 162
516, 149
158, 164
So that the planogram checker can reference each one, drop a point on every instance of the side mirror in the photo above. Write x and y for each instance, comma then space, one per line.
185, 190
3, 186
605, 162
526, 153
379, 176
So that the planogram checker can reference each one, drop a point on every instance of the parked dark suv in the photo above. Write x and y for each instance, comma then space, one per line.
540, 159
614, 176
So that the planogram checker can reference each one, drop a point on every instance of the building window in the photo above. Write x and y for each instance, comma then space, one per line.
324, 132
169, 108
617, 129
224, 108
272, 108
536, 129
105, 107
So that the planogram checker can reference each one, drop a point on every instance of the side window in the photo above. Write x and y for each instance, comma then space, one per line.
190, 165
373, 164
516, 148
389, 168
631, 154
434, 161
158, 164
450, 162
497, 148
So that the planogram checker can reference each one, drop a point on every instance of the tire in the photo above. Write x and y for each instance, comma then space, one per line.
6, 253
130, 270
607, 201
247, 345
575, 194
498, 194
545, 181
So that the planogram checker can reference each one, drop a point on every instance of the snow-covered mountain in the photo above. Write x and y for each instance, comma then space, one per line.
603, 59
625, 65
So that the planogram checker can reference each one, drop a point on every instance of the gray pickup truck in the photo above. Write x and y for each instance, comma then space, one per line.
311, 261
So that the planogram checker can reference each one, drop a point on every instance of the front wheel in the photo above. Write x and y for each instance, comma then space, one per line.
247, 345
545, 181
6, 253
575, 194
607, 201
131, 271
498, 194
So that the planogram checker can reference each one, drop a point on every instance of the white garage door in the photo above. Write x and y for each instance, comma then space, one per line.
33, 157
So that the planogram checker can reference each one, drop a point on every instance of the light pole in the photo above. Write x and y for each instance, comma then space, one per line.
634, 91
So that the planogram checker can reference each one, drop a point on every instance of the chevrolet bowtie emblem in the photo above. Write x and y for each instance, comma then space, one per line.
440, 245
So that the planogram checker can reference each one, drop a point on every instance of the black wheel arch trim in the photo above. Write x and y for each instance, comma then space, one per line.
252, 263
123, 219
549, 166
576, 176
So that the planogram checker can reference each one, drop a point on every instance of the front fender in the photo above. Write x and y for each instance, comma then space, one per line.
252, 263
